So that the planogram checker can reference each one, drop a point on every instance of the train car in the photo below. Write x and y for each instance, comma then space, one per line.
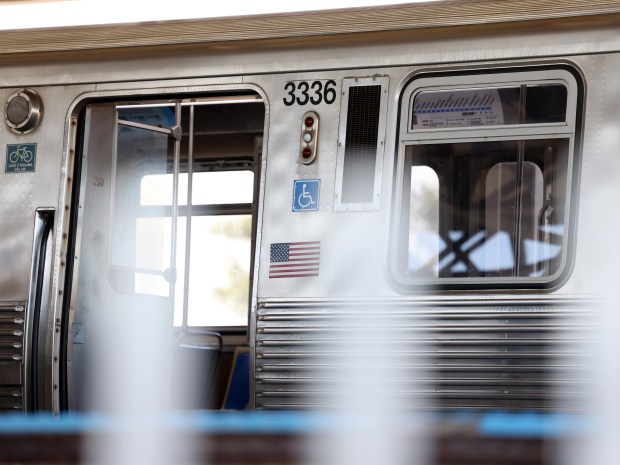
427, 190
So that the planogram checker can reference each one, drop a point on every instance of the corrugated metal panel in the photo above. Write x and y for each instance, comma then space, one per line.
12, 323
369, 19
476, 356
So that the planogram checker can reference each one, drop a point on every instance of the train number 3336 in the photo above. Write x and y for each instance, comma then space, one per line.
303, 92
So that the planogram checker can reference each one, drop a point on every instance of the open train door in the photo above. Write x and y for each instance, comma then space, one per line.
163, 229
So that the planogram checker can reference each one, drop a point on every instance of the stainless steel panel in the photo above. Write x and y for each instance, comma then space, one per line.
10, 398
38, 313
22, 195
11, 375
482, 355
12, 328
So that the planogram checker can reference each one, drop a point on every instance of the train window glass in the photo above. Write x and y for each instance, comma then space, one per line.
152, 234
424, 241
545, 104
156, 189
485, 213
210, 187
194, 245
140, 238
159, 116
219, 287
483, 198
223, 187
489, 106
219, 251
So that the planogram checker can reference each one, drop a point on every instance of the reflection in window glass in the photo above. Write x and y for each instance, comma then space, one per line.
487, 209
501, 191
424, 241
139, 153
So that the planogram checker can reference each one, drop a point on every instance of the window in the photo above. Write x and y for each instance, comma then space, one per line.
220, 245
486, 169
184, 206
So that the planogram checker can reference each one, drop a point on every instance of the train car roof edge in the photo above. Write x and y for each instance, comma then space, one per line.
304, 24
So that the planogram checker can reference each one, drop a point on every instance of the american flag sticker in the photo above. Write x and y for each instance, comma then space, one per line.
294, 259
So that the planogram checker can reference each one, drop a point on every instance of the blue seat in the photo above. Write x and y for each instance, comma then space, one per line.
237, 395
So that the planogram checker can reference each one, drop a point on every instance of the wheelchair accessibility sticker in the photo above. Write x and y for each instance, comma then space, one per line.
20, 158
306, 194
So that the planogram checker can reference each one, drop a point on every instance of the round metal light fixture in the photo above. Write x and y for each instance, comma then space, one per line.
23, 112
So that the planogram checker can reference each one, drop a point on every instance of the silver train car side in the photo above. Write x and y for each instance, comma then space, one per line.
434, 182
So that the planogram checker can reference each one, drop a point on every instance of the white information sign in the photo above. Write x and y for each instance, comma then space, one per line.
459, 108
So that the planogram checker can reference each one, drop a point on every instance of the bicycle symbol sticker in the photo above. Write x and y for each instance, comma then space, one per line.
20, 158
306, 194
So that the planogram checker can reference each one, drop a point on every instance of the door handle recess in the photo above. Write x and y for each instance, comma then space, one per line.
44, 221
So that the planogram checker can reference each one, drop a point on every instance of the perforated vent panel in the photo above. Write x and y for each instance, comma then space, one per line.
360, 156
361, 143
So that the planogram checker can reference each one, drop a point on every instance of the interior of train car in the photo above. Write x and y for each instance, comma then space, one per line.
172, 212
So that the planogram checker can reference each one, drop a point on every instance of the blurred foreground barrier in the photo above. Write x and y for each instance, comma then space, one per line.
285, 437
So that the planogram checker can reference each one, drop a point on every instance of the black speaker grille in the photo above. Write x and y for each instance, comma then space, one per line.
18, 110
360, 154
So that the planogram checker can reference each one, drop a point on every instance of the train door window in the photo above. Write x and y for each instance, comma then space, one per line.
141, 233
486, 170
184, 206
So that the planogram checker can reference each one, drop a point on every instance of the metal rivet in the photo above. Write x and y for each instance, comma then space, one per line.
60, 292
